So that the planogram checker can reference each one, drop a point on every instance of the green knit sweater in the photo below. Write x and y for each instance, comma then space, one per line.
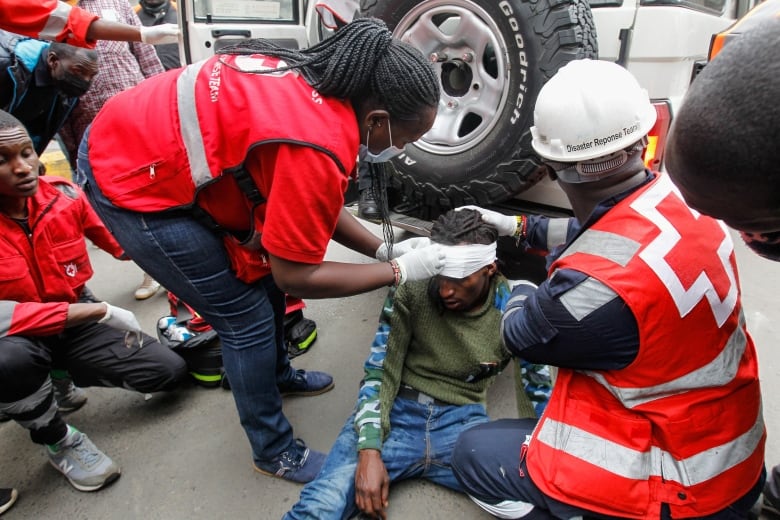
438, 351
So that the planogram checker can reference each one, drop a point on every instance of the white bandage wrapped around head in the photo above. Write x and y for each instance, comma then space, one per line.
464, 260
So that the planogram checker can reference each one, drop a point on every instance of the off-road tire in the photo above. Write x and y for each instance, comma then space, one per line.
492, 161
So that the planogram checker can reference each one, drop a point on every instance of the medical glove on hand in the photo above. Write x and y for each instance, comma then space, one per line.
401, 248
120, 318
160, 34
505, 224
420, 263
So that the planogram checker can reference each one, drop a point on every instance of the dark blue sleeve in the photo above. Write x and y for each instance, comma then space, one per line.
571, 320
546, 233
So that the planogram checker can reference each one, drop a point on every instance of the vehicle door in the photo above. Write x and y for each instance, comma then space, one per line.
210, 25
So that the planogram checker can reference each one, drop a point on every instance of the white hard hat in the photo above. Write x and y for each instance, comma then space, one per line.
590, 108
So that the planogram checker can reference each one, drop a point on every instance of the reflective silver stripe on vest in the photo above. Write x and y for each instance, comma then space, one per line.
588, 296
556, 232
611, 246
718, 372
57, 21
638, 465
190, 125
6, 314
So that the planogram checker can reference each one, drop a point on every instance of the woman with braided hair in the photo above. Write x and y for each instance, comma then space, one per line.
241, 173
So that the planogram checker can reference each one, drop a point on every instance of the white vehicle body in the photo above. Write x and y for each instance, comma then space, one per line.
662, 42
209, 25
669, 43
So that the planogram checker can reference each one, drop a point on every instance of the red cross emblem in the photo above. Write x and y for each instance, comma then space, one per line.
712, 278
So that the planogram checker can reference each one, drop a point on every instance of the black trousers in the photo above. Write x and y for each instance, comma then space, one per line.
94, 354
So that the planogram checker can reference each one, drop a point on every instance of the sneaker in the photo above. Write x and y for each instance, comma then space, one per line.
69, 397
7, 498
297, 464
148, 288
307, 383
86, 467
368, 208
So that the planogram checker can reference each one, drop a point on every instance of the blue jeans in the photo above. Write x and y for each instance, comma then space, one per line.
189, 260
420, 443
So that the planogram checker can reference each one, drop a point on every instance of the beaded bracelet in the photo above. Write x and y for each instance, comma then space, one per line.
522, 223
396, 272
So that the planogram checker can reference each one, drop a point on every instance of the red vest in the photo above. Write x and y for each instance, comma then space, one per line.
682, 424
151, 147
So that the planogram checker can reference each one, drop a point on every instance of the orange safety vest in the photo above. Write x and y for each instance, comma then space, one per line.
682, 424
153, 146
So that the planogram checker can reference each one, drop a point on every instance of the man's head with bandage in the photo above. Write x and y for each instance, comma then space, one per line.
470, 252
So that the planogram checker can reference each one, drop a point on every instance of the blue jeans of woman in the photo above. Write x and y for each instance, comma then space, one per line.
419, 444
189, 260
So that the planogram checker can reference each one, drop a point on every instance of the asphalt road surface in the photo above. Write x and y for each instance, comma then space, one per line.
185, 456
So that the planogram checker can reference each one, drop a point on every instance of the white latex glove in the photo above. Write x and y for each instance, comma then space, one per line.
120, 318
401, 248
421, 263
160, 34
505, 224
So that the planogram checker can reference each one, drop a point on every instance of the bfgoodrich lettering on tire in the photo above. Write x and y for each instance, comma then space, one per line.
492, 57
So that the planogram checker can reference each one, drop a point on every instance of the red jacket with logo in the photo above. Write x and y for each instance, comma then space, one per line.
211, 118
45, 271
47, 20
681, 424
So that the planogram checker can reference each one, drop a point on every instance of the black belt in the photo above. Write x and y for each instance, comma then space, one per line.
407, 392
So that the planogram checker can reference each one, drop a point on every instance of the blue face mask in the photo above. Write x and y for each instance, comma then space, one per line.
383, 156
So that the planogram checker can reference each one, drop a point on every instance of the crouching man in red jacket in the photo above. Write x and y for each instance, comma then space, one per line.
48, 318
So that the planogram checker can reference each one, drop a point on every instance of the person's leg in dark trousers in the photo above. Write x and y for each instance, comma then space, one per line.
26, 396
98, 355
487, 462
26, 391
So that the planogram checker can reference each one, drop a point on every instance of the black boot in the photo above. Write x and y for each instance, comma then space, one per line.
368, 208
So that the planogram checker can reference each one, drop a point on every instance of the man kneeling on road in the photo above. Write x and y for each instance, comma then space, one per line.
436, 351
656, 410
48, 318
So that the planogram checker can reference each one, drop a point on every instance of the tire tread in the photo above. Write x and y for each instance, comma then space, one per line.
566, 31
